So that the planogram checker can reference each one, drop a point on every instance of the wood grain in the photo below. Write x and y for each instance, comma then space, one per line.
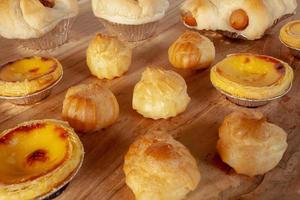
101, 176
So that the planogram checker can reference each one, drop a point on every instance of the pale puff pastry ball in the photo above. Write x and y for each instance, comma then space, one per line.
160, 94
157, 167
192, 51
90, 107
108, 57
250, 144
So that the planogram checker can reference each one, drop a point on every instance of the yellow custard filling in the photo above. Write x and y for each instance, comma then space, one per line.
290, 34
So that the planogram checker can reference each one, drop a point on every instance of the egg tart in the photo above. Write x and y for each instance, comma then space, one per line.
253, 77
28, 75
290, 36
38, 158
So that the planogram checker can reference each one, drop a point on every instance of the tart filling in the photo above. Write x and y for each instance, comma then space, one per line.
252, 76
290, 34
28, 75
37, 157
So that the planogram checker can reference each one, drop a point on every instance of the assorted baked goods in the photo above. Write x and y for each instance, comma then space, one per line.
29, 79
38, 157
290, 36
192, 51
130, 20
250, 76
38, 24
250, 144
159, 167
160, 94
247, 18
108, 57
90, 107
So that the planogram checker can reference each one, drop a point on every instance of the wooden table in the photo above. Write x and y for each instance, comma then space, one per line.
101, 176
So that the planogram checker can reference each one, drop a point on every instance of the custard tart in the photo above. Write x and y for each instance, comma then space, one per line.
38, 158
250, 76
28, 75
290, 36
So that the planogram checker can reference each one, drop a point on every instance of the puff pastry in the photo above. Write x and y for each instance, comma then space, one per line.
252, 76
90, 107
30, 169
160, 94
250, 144
25, 19
158, 167
141, 11
248, 18
192, 50
108, 57
28, 75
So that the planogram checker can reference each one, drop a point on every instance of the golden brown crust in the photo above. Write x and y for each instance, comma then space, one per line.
239, 19
90, 107
250, 144
162, 166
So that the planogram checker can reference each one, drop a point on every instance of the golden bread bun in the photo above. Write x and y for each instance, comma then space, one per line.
252, 76
160, 94
90, 107
247, 18
249, 144
290, 34
28, 75
159, 167
37, 157
192, 50
108, 57
27, 19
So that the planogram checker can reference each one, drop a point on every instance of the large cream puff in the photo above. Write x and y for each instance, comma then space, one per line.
250, 144
160, 94
159, 167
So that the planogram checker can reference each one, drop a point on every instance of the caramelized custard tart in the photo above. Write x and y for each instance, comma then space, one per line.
252, 76
37, 157
28, 75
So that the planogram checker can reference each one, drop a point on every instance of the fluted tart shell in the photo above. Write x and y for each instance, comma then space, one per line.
90, 107
252, 76
37, 157
28, 75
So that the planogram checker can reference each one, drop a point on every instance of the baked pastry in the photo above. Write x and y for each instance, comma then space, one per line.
28, 19
247, 18
130, 20
28, 75
108, 57
192, 51
160, 94
250, 144
36, 158
252, 76
290, 36
158, 167
90, 107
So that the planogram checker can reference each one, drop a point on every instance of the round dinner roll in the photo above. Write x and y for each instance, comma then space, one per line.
250, 144
26, 19
157, 167
160, 94
192, 51
108, 57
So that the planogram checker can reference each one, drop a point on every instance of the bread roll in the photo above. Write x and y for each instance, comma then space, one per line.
90, 107
158, 167
25, 19
160, 94
192, 50
248, 18
249, 144
108, 57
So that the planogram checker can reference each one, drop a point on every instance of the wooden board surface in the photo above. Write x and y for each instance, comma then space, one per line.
101, 176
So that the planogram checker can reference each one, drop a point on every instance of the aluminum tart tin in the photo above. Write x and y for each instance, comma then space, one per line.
32, 98
55, 192
251, 103
294, 51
